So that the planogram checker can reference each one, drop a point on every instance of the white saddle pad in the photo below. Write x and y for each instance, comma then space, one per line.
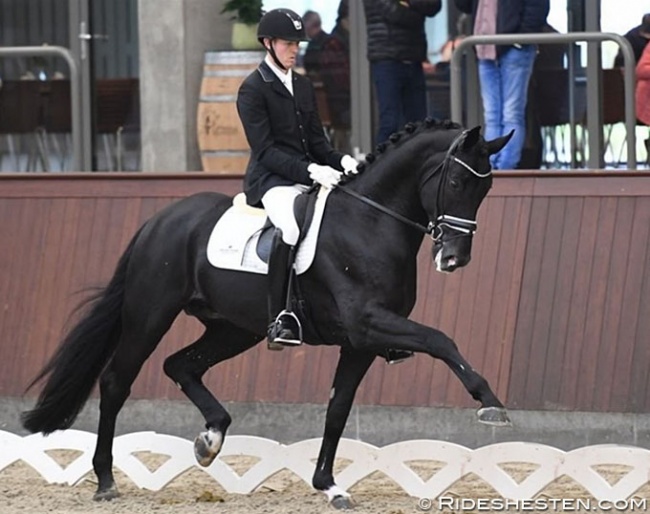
234, 238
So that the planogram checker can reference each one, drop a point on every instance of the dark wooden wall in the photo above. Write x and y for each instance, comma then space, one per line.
554, 308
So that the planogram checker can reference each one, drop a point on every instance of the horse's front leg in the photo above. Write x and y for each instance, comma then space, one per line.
351, 369
383, 329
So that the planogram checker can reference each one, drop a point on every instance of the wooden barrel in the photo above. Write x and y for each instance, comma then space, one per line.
222, 141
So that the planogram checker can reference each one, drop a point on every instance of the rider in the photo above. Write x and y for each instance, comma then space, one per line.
289, 150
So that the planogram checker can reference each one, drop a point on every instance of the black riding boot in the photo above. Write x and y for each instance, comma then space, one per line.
284, 327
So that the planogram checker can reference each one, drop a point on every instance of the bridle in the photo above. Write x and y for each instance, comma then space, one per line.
464, 227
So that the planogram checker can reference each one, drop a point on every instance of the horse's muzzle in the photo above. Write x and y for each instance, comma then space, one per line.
448, 257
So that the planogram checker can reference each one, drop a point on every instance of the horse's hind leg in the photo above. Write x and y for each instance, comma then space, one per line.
221, 341
350, 370
140, 336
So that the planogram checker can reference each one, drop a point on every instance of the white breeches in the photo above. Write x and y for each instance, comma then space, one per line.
278, 203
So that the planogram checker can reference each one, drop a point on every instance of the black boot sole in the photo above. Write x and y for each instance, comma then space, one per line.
397, 356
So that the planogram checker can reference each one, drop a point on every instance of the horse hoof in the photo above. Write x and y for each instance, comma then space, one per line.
495, 416
207, 446
106, 495
342, 503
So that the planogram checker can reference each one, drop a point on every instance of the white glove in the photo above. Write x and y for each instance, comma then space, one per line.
349, 165
326, 176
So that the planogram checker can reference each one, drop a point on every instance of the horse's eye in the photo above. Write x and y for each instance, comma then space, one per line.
454, 183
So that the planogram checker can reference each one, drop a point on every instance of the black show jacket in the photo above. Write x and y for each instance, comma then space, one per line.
285, 132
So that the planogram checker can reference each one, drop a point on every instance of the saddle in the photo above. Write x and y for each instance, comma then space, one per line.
241, 239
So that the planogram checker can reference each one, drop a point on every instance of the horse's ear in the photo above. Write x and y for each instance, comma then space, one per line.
471, 138
497, 144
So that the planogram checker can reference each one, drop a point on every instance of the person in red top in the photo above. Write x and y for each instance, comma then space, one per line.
642, 95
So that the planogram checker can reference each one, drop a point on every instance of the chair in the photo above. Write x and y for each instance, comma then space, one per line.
550, 104
322, 104
57, 119
550, 98
438, 96
117, 108
21, 115
613, 108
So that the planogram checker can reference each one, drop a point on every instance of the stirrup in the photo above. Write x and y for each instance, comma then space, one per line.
394, 356
280, 335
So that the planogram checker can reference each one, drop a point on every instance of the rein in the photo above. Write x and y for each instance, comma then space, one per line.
464, 226
386, 210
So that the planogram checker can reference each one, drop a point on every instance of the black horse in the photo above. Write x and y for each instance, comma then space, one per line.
429, 178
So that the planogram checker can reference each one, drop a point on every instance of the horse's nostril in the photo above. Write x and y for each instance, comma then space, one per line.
451, 262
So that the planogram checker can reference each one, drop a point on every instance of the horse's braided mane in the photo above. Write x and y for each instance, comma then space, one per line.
409, 131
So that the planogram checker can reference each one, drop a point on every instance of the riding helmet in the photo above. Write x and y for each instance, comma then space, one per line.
281, 24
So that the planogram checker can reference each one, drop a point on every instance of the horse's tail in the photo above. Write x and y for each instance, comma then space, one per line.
75, 367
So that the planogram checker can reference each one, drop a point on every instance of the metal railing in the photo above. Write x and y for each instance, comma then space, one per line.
75, 88
595, 149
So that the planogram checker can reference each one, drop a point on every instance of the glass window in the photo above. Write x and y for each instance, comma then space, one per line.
612, 19
35, 92
326, 8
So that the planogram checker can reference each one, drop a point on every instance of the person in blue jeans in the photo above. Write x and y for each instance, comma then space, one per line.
505, 70
397, 47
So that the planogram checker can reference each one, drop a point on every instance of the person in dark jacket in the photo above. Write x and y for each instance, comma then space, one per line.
289, 151
505, 70
335, 74
638, 38
316, 36
397, 47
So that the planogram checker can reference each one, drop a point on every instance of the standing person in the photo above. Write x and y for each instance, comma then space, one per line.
397, 47
335, 74
505, 70
642, 93
316, 37
638, 37
289, 151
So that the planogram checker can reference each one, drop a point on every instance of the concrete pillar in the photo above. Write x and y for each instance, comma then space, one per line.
174, 35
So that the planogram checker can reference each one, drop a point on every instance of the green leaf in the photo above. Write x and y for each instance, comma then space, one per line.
245, 11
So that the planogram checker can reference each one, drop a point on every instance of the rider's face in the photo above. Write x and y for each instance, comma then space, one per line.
285, 51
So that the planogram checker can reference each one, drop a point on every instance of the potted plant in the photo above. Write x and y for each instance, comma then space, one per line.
247, 14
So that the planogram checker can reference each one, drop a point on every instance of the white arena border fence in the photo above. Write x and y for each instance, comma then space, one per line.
365, 459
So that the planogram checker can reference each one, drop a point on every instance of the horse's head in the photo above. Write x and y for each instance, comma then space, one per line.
452, 193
